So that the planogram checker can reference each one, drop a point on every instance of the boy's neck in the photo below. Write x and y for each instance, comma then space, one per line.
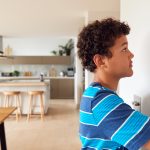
107, 82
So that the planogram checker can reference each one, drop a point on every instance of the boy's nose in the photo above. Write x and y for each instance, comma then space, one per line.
131, 54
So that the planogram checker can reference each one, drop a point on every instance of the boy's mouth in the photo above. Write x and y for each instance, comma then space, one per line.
131, 64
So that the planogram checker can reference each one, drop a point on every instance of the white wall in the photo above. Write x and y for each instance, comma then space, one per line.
48, 17
35, 46
137, 14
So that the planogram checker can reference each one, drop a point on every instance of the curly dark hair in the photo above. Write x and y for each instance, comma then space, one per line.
97, 38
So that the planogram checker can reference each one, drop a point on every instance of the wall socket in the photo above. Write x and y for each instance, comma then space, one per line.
137, 98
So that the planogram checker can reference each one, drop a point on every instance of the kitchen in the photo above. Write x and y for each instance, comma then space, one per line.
25, 62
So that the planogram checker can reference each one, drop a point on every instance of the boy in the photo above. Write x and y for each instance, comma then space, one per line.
106, 122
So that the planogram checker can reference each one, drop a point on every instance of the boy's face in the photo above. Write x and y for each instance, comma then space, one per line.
120, 64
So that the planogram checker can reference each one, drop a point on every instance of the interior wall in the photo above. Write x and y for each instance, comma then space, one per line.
36, 46
38, 17
137, 15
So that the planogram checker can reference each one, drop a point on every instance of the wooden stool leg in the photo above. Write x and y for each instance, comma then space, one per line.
41, 106
8, 101
17, 107
5, 101
30, 103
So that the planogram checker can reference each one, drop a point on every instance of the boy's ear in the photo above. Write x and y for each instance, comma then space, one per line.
99, 60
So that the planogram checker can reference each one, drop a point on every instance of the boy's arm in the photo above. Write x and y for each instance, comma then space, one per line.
117, 119
147, 146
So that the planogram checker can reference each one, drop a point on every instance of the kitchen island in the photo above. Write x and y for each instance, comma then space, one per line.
24, 86
61, 87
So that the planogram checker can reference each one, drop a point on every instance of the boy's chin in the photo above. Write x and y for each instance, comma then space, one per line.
130, 74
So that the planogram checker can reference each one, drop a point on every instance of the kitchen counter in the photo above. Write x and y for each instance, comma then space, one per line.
22, 84
34, 78
58, 89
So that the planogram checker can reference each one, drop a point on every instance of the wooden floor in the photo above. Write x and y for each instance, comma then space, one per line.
59, 131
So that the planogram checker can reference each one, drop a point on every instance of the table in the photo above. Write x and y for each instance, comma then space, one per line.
4, 113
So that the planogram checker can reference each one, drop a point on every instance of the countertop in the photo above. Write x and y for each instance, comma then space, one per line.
2, 84
34, 78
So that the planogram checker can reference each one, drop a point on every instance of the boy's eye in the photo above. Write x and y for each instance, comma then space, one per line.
125, 49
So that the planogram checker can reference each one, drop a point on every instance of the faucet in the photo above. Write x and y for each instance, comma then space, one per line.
42, 77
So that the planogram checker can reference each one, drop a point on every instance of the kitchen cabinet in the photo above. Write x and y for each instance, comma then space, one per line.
27, 60
7, 61
63, 60
62, 88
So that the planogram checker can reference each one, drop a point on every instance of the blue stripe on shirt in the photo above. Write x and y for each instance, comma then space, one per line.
99, 143
98, 98
96, 131
88, 148
87, 118
90, 91
140, 139
115, 119
105, 106
109, 125
131, 127
85, 104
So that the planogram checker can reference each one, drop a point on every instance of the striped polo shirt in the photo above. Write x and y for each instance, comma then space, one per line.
107, 123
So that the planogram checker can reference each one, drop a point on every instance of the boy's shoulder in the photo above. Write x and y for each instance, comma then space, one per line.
95, 89
94, 94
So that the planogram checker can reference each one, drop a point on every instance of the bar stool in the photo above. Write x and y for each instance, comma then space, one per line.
8, 102
31, 104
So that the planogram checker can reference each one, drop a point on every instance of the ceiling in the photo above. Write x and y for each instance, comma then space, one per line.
49, 17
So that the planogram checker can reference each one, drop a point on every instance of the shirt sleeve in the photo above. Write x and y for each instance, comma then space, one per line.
121, 123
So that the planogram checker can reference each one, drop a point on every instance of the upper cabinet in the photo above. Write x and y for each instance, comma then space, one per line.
62, 60
27, 60
7, 61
